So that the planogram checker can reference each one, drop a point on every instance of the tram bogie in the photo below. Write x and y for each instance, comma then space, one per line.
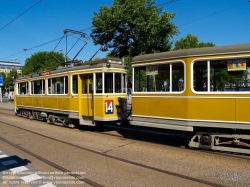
238, 143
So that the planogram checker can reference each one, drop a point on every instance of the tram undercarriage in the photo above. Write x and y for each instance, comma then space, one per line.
61, 120
237, 143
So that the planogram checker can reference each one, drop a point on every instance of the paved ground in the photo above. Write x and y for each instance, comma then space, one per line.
214, 168
15, 171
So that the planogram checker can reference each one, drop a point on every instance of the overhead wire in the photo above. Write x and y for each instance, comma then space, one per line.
159, 5
89, 28
212, 14
20, 15
27, 49
166, 3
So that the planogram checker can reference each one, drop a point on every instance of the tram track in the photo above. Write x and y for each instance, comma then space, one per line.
105, 155
181, 144
56, 166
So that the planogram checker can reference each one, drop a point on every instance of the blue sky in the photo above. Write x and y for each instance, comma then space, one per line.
223, 22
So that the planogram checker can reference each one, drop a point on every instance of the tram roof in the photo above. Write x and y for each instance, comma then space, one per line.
105, 62
204, 51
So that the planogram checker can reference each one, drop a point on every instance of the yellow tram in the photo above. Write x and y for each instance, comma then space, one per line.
204, 90
85, 94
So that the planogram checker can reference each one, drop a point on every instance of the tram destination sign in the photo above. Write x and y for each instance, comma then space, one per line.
38, 74
1, 80
236, 65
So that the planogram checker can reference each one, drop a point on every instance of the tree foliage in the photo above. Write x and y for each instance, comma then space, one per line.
131, 28
191, 41
42, 61
10, 78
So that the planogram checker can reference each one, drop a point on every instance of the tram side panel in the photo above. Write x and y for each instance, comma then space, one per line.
219, 111
242, 108
100, 107
109, 107
50, 102
56, 103
211, 108
216, 112
160, 111
160, 106
37, 102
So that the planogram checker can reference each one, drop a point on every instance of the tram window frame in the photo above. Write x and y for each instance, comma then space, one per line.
85, 88
34, 87
118, 82
108, 82
61, 83
87, 84
124, 82
233, 82
99, 82
163, 78
112, 82
26, 88
74, 83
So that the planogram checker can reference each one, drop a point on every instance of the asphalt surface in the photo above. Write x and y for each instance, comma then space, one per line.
183, 167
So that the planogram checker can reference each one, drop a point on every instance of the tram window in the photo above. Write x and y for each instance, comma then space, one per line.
66, 83
140, 79
85, 88
75, 84
124, 78
37, 87
90, 83
58, 85
108, 83
156, 78
23, 88
227, 75
177, 77
118, 83
98, 83
200, 76
84, 85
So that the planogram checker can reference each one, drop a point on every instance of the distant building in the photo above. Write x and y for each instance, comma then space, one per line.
7, 66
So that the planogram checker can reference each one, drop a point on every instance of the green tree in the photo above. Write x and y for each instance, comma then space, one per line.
10, 78
191, 41
131, 28
42, 61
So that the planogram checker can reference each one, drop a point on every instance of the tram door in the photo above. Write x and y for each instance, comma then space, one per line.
87, 95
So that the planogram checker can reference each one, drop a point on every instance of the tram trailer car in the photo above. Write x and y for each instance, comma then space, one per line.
87, 94
205, 91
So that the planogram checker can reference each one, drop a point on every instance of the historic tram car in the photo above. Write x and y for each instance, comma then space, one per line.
84, 94
204, 90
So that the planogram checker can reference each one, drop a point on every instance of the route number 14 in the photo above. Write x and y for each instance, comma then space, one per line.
109, 106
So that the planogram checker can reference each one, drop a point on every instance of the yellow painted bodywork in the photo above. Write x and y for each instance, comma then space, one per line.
88, 105
188, 105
